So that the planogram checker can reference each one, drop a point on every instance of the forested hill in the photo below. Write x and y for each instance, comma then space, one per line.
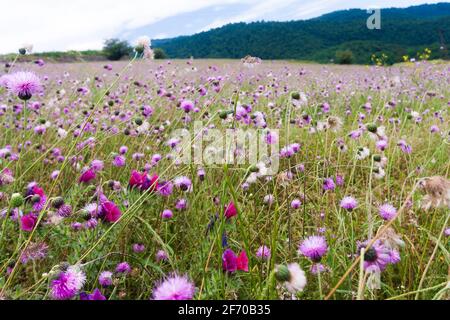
403, 32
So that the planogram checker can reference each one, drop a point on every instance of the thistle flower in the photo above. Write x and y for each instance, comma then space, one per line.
23, 84
328, 184
314, 248
167, 214
68, 283
123, 268
161, 255
183, 183
174, 287
295, 204
263, 253
187, 106
181, 204
119, 161
105, 278
33, 252
387, 211
349, 203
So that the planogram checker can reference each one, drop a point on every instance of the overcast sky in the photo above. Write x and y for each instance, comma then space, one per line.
85, 24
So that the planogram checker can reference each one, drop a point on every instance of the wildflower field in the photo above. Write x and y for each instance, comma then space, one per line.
98, 199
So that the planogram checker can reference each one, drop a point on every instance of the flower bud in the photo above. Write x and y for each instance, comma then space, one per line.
16, 200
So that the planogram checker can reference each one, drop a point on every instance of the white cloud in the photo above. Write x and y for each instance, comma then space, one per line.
63, 25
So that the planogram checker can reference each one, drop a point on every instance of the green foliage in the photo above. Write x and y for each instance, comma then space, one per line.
116, 49
344, 57
403, 32
159, 53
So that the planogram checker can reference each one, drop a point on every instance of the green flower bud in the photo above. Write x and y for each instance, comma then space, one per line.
372, 127
377, 158
282, 273
57, 202
295, 95
16, 200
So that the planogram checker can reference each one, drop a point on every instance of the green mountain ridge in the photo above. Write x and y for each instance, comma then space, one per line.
403, 32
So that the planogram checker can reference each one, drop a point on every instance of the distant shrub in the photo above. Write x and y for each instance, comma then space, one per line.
115, 49
159, 53
344, 57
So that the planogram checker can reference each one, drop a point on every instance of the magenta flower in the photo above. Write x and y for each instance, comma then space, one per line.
232, 263
174, 288
87, 176
95, 295
187, 106
68, 283
110, 211
230, 210
27, 222
167, 214
314, 248
165, 188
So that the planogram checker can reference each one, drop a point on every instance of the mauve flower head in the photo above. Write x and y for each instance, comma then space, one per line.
296, 203
105, 278
328, 184
119, 161
165, 188
376, 258
183, 183
269, 199
97, 165
24, 84
387, 211
349, 203
95, 295
87, 176
68, 283
181, 204
263, 253
138, 247
65, 210
123, 268
174, 287
123, 150
314, 248
187, 106
161, 255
